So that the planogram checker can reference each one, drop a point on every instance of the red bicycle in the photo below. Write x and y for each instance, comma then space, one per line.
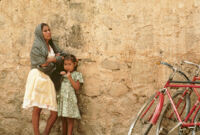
180, 102
169, 121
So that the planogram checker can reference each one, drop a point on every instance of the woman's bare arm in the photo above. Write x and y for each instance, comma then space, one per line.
49, 60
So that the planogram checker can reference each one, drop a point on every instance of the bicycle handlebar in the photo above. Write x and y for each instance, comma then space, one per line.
191, 63
175, 70
196, 65
167, 64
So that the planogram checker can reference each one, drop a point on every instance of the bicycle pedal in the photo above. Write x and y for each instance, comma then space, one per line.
185, 131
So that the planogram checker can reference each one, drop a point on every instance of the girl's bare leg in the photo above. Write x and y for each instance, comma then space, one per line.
64, 126
51, 120
70, 123
35, 120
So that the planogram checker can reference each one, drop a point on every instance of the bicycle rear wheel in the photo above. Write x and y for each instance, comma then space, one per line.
168, 123
141, 125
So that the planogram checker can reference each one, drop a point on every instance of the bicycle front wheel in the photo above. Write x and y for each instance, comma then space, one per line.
141, 125
168, 123
196, 130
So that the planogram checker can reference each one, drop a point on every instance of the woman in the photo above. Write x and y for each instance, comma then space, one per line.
40, 90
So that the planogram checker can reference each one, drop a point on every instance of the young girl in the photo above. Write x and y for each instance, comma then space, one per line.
67, 100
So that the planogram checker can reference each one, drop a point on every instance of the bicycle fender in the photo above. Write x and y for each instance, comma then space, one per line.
158, 109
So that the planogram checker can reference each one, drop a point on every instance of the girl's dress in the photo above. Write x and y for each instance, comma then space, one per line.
67, 100
40, 90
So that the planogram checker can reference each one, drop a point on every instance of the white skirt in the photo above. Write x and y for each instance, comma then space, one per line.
40, 91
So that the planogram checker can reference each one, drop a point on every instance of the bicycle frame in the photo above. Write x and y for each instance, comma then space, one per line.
191, 84
158, 109
160, 95
153, 119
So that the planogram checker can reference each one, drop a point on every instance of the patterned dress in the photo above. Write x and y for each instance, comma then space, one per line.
67, 100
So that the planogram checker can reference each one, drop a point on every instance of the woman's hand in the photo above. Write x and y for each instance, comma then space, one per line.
57, 54
51, 59
45, 64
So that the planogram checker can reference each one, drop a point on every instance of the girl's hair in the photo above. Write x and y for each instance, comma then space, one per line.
73, 59
43, 24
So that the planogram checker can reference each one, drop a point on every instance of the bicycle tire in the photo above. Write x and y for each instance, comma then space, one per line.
196, 130
167, 124
141, 126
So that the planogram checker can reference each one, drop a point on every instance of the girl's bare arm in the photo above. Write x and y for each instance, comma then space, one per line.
75, 84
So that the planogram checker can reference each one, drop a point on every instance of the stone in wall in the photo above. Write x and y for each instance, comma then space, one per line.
118, 89
109, 64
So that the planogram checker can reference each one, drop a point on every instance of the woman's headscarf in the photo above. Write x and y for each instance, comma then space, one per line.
39, 52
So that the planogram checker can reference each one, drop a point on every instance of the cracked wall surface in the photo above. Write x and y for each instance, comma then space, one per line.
118, 43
